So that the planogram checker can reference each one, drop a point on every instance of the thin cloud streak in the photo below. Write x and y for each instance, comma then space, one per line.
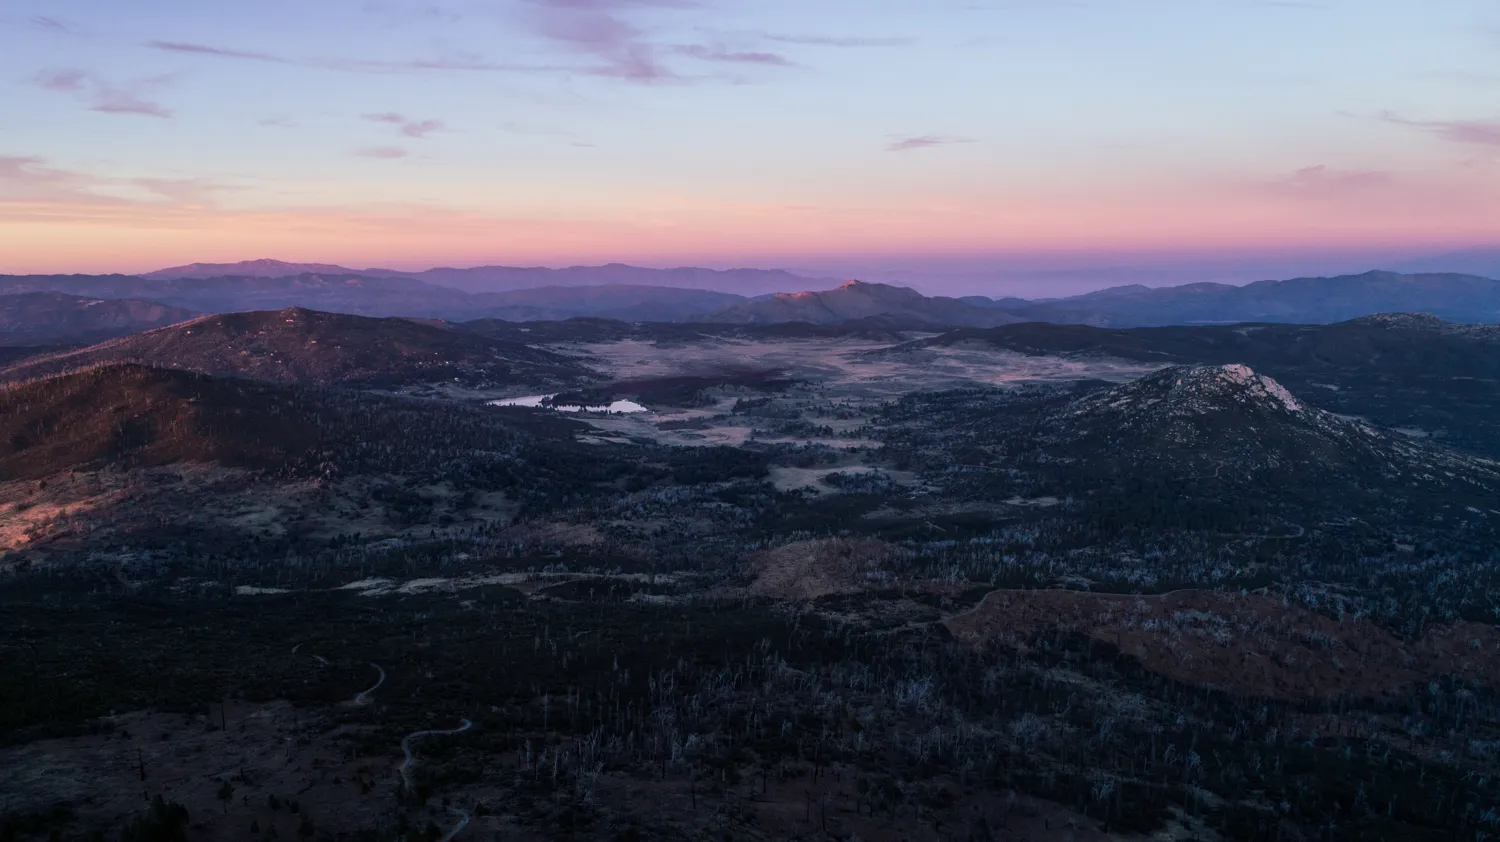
1323, 182
51, 24
834, 41
591, 28
722, 54
32, 179
1471, 132
925, 142
206, 50
459, 62
383, 152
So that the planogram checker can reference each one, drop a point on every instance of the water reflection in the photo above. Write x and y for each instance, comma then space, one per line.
621, 406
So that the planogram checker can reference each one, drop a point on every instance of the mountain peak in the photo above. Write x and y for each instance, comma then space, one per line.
297, 345
854, 300
263, 267
1197, 388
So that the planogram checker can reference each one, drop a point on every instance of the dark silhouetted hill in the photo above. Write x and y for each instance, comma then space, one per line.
310, 347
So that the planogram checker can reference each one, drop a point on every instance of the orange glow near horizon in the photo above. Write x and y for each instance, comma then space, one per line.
71, 237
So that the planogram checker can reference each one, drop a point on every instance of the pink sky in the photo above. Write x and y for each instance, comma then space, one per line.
555, 132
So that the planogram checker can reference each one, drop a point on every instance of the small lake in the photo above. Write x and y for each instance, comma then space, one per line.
536, 401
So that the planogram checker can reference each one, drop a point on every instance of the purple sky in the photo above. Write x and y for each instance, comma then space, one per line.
1000, 146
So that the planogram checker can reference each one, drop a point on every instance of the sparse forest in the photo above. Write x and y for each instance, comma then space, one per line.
1186, 604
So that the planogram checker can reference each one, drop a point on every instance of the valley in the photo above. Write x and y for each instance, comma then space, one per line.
643, 580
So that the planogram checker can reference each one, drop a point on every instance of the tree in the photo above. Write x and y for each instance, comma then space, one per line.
163, 822
226, 792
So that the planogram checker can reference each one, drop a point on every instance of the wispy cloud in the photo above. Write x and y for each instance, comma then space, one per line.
455, 61
34, 179
29, 177
408, 127
1471, 132
63, 81
411, 11
386, 152
221, 52
1323, 182
106, 97
835, 41
924, 142
721, 53
279, 122
197, 192
599, 31
605, 33
595, 29
51, 24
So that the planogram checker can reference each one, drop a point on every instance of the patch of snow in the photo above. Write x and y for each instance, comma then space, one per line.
369, 587
1042, 502
423, 585
251, 590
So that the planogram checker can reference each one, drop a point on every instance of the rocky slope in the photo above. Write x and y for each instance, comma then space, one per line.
1219, 448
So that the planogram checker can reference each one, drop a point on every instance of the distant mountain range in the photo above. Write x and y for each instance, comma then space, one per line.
483, 279
1457, 298
597, 292
1482, 261
855, 300
380, 295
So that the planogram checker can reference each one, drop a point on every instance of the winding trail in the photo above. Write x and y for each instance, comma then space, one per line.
322, 660
463, 821
363, 698
406, 748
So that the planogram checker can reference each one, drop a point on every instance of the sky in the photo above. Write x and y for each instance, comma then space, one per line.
895, 136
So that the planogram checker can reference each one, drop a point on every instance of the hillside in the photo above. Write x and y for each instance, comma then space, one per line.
309, 347
1401, 370
855, 300
128, 416
1228, 426
54, 318
1215, 447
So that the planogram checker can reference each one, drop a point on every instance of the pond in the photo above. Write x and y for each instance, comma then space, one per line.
617, 407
